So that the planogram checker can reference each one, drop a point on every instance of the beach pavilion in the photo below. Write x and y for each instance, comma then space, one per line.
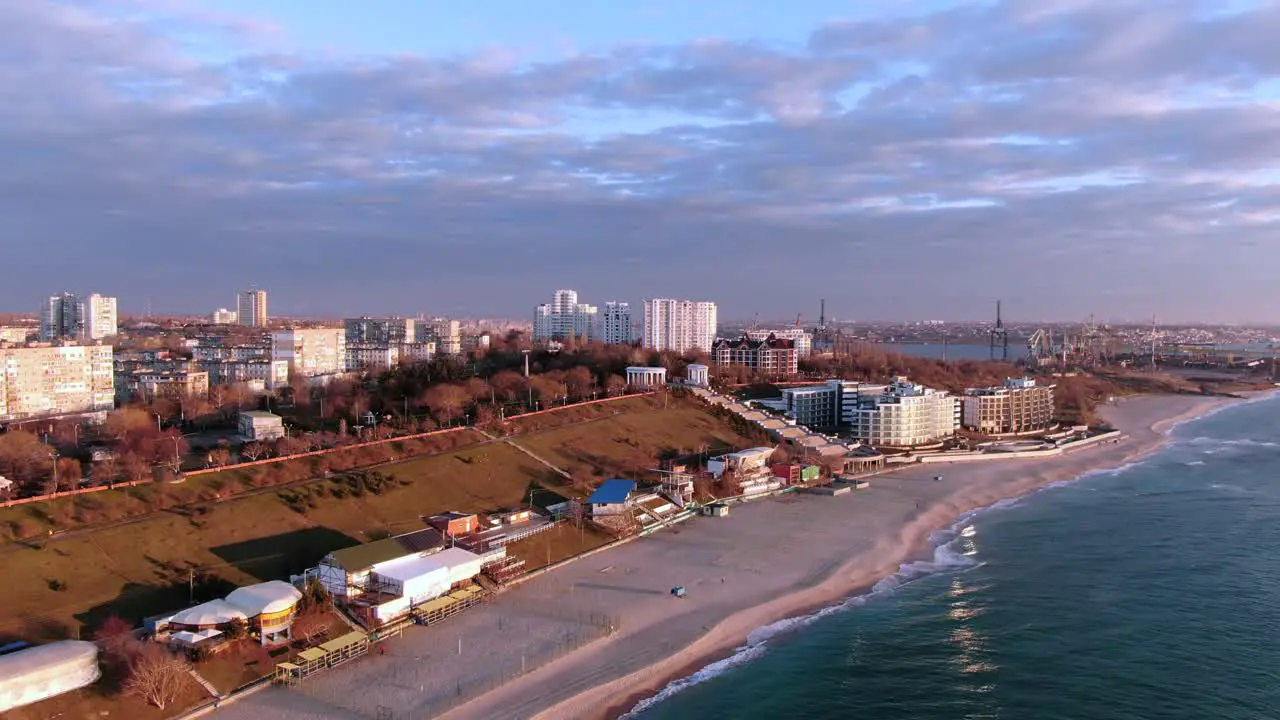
270, 608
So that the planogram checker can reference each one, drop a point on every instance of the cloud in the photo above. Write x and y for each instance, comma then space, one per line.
899, 166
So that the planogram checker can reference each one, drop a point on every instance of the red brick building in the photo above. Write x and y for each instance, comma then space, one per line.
770, 357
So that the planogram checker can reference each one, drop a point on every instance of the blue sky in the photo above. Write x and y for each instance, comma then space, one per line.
903, 160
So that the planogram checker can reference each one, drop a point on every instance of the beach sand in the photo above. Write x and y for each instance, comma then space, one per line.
770, 560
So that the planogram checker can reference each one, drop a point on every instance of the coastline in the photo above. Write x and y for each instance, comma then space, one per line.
772, 564
1146, 419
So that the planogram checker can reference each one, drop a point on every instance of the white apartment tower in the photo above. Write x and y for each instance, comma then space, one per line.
565, 318
251, 308
615, 324
311, 352
679, 325
99, 317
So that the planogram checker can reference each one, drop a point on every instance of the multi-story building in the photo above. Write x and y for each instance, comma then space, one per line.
824, 406
565, 318
151, 384
251, 308
47, 380
311, 352
223, 316
62, 318
447, 335
906, 414
379, 331
270, 373
615, 324
802, 338
770, 357
371, 356
99, 312
679, 325
16, 333
239, 351
416, 352
1019, 406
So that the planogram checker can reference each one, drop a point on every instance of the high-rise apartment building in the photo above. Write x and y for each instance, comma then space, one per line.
379, 331
615, 322
251, 308
223, 316
99, 316
679, 325
311, 352
62, 318
51, 380
565, 318
1019, 406
906, 414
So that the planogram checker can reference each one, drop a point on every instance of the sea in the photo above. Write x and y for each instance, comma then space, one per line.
1151, 591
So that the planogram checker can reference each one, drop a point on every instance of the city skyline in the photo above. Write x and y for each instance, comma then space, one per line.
1071, 158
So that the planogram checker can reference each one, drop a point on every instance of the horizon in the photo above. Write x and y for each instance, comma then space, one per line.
1081, 158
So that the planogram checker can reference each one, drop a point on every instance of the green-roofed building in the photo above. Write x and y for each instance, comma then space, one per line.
346, 573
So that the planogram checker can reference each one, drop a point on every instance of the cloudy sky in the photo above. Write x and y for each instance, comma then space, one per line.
915, 160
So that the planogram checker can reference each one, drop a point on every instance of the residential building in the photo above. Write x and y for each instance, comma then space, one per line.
151, 384
906, 414
828, 405
615, 324
259, 426
251, 308
271, 374
614, 497
646, 377
62, 318
16, 333
416, 352
770, 357
239, 351
565, 319
372, 357
223, 316
803, 339
1019, 406
447, 335
379, 331
679, 325
99, 317
47, 380
312, 351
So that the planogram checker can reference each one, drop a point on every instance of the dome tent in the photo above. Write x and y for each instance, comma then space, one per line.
208, 615
41, 672
268, 598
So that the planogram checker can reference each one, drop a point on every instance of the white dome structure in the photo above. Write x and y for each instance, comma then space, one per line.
268, 598
45, 671
208, 615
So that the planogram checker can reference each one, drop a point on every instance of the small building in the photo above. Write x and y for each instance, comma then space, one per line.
405, 583
260, 426
716, 510
346, 573
646, 377
863, 459
697, 375
38, 673
613, 497
743, 461
270, 608
454, 524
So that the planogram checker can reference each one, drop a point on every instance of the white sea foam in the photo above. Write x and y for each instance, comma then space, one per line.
945, 558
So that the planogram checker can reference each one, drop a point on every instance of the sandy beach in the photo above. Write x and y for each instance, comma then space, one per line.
768, 561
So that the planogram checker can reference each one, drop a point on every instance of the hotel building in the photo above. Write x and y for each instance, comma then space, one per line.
906, 414
1018, 406
679, 325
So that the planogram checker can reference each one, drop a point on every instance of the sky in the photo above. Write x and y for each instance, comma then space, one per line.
902, 159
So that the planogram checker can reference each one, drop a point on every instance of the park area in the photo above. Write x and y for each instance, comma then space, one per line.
68, 584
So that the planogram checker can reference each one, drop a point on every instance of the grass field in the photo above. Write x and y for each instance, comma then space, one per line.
72, 583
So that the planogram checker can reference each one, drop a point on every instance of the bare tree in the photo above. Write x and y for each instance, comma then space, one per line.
253, 450
156, 676
70, 473
219, 457
446, 401
616, 385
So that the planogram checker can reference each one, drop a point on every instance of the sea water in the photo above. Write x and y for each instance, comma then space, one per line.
1150, 591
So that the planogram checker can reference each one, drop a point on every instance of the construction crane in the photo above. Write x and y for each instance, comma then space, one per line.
1039, 345
999, 337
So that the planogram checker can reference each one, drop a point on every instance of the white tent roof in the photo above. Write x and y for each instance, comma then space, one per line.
44, 671
268, 597
193, 638
214, 612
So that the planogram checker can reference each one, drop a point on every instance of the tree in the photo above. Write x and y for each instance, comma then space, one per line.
107, 469
115, 637
580, 382
156, 676
70, 473
479, 391
290, 446
134, 467
219, 457
23, 458
508, 385
168, 449
616, 385
446, 401
253, 450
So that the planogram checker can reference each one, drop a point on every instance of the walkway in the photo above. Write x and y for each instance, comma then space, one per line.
526, 451
204, 683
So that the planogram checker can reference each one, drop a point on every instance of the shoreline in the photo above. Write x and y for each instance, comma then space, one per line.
856, 576
754, 575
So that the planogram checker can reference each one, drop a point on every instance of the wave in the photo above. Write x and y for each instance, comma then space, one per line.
945, 558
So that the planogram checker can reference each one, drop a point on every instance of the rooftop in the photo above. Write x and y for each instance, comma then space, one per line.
362, 557
259, 415
613, 492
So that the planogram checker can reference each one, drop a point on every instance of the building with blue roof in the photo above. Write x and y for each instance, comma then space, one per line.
613, 497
